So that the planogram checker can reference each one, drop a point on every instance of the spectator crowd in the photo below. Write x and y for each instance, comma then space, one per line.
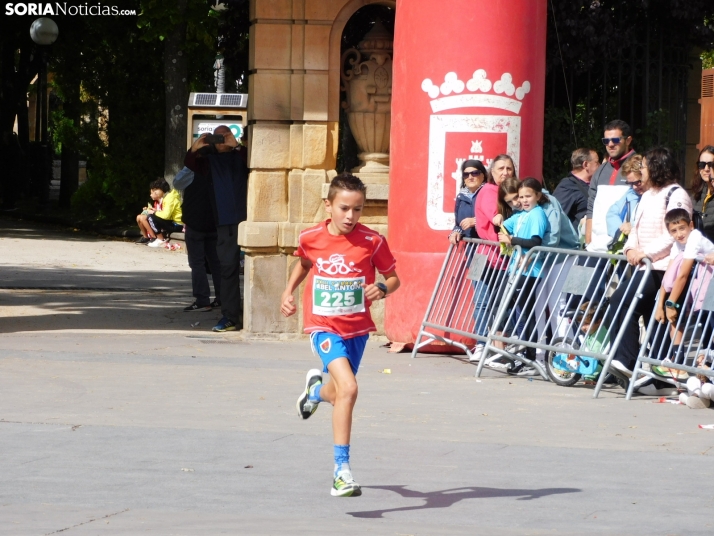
629, 204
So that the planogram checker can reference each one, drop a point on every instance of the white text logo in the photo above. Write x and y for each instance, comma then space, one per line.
61, 8
336, 265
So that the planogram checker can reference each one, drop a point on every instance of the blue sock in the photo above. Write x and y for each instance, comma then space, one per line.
314, 394
342, 458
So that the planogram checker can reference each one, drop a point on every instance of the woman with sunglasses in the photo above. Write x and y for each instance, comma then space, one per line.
473, 177
620, 214
703, 190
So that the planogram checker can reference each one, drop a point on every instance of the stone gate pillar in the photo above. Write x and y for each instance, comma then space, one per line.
293, 114
468, 83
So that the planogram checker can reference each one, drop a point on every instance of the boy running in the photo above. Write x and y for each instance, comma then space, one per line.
339, 257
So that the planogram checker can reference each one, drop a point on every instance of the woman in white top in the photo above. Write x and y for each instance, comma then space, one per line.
649, 238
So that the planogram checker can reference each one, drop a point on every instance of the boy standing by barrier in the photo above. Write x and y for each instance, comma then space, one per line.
339, 257
689, 243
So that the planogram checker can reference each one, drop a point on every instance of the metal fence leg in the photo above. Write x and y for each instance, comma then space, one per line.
416, 343
635, 373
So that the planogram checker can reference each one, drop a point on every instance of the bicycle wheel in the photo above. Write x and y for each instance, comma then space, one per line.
557, 375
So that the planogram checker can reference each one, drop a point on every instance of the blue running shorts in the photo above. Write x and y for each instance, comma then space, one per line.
329, 347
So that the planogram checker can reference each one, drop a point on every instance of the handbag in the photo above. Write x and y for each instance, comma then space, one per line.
698, 220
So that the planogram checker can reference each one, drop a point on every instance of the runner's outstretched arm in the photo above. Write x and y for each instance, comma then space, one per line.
287, 301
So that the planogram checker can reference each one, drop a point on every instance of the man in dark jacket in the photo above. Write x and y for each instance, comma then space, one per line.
201, 239
224, 167
572, 191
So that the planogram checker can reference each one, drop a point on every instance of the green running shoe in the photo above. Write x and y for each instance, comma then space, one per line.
304, 406
666, 372
345, 486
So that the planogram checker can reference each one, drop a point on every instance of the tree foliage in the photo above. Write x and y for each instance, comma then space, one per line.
591, 40
108, 78
588, 30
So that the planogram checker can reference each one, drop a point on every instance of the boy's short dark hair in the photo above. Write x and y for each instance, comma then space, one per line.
160, 184
346, 181
676, 215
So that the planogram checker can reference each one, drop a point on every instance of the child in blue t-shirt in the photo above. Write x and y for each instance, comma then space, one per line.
528, 227
527, 230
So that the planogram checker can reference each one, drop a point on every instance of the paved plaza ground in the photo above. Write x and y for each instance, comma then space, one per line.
118, 417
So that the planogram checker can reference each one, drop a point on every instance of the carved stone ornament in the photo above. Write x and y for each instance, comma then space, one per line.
367, 83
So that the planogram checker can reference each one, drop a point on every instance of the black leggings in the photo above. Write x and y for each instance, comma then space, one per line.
162, 226
629, 347
523, 303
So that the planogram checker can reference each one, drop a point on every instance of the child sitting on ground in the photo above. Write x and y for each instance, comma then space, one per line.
597, 339
168, 219
157, 195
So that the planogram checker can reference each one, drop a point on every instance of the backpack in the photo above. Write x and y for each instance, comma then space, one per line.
183, 179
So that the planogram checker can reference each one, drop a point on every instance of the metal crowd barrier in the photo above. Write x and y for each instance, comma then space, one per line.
466, 296
660, 358
558, 303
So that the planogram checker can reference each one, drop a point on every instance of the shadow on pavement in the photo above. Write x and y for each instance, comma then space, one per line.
31, 230
449, 497
42, 299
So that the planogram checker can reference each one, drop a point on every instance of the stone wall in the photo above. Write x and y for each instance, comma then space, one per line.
293, 114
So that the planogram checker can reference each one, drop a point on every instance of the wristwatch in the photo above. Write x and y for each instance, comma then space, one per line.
381, 286
671, 305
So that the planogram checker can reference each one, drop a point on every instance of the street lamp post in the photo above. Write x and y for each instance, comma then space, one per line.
43, 32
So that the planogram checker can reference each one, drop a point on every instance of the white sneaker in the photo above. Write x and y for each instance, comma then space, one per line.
498, 362
344, 485
156, 243
651, 390
619, 367
476, 352
528, 371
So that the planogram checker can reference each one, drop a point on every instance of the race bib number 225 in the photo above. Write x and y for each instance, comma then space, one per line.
337, 296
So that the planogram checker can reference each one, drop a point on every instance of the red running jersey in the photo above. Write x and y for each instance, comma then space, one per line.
334, 300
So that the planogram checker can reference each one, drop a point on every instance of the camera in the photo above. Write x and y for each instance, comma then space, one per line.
214, 138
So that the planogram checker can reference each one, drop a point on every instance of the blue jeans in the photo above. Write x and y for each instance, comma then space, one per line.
482, 295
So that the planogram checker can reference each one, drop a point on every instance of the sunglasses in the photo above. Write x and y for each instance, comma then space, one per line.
615, 141
473, 174
635, 183
702, 165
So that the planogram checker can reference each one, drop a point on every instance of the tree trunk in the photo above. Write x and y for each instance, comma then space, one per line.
176, 91
69, 181
14, 80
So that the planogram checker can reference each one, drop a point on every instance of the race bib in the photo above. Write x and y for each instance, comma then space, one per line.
337, 296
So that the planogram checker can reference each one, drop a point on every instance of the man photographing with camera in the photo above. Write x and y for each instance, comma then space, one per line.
221, 173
